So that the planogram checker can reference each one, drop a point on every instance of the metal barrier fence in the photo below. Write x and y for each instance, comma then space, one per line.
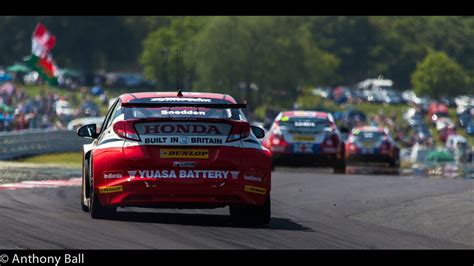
19, 144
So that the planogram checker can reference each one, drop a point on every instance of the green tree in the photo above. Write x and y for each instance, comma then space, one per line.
160, 47
277, 54
438, 75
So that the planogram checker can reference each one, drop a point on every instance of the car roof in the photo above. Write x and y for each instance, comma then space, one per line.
302, 113
125, 98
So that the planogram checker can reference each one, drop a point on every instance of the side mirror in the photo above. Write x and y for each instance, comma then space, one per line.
88, 131
258, 132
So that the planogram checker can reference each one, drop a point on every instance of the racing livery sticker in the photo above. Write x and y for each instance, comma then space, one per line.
235, 174
253, 178
199, 100
184, 164
113, 174
184, 140
185, 153
183, 133
183, 174
103, 190
256, 190
183, 112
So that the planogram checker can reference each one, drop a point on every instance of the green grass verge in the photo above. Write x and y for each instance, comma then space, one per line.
67, 159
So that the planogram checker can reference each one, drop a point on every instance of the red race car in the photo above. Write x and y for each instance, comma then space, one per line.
372, 144
306, 137
185, 150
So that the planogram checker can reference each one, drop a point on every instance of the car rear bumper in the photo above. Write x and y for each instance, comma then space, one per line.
152, 193
367, 158
321, 160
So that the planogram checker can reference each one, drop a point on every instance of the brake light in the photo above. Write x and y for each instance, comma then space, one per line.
278, 143
352, 147
125, 129
239, 132
331, 140
385, 148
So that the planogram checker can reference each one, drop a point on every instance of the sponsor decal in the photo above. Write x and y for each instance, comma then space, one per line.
182, 129
113, 174
253, 178
303, 138
185, 153
184, 164
132, 174
304, 124
103, 190
199, 100
303, 148
184, 174
184, 140
256, 190
235, 174
183, 112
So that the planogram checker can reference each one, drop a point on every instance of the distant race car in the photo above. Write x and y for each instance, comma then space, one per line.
372, 144
306, 137
189, 150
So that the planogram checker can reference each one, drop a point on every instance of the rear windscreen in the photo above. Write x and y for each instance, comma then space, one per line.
302, 123
368, 136
185, 112
180, 112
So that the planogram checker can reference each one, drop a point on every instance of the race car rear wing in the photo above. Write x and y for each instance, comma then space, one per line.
185, 104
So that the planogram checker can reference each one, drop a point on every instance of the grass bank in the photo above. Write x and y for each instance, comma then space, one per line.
67, 159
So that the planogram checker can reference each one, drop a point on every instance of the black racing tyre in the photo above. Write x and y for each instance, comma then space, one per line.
96, 210
85, 184
340, 164
273, 165
340, 167
251, 215
395, 163
83, 206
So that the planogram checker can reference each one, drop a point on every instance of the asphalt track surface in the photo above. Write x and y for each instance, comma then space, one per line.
311, 209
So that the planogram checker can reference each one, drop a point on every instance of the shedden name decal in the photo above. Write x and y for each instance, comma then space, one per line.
185, 153
103, 190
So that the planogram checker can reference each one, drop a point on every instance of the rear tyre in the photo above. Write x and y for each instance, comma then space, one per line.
85, 184
340, 167
250, 215
395, 163
96, 209
83, 206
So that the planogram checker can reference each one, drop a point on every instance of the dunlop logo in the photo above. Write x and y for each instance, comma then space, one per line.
185, 153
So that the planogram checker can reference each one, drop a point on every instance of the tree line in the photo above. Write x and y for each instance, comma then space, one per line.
262, 59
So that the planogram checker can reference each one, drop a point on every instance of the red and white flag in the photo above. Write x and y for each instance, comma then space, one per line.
42, 41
